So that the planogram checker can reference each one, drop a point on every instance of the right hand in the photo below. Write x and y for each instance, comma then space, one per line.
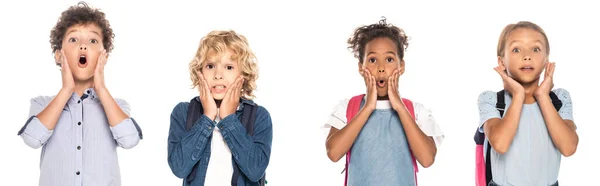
67, 76
510, 85
208, 102
371, 85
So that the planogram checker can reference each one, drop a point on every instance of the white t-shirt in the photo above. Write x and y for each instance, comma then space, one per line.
220, 168
423, 117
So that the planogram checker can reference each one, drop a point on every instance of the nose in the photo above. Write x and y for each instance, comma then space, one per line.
218, 74
82, 48
527, 58
381, 70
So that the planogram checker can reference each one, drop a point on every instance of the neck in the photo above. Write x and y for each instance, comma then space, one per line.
218, 102
529, 89
81, 86
383, 98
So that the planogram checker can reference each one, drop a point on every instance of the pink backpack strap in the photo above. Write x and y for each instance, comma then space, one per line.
411, 110
351, 111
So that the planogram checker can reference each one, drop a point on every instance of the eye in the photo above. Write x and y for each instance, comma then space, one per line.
372, 60
210, 66
229, 67
516, 50
536, 49
389, 59
94, 41
72, 40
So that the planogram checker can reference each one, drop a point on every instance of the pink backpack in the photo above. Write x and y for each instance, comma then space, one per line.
352, 110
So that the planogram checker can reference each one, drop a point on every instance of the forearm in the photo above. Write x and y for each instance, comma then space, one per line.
340, 141
563, 134
421, 145
114, 113
251, 153
49, 116
186, 147
500, 132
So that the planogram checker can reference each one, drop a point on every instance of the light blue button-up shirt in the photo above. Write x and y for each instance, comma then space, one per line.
82, 148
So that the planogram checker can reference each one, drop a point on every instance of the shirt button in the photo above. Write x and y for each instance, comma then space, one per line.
77, 172
88, 91
78, 101
79, 123
78, 147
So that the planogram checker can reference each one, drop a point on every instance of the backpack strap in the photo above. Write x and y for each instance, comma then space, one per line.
555, 101
193, 114
351, 111
500, 106
411, 110
247, 120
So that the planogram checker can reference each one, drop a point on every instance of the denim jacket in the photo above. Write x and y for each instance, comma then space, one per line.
250, 153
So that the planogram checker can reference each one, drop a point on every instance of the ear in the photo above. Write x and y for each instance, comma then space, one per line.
501, 62
401, 67
360, 67
57, 56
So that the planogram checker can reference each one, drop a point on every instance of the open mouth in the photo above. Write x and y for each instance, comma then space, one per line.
219, 88
82, 59
381, 83
526, 68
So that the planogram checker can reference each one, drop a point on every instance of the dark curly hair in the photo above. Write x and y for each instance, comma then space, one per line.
81, 14
365, 34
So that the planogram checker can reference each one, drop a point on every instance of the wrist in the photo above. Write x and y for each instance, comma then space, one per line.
519, 98
542, 97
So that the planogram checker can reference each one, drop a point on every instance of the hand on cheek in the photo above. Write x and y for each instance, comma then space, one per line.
231, 100
208, 102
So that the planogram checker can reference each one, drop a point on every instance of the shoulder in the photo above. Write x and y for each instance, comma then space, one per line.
260, 110
180, 108
41, 100
488, 97
562, 94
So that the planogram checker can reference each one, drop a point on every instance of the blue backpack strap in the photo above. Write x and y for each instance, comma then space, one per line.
193, 114
247, 120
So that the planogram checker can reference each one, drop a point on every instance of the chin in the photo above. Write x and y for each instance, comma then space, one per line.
218, 97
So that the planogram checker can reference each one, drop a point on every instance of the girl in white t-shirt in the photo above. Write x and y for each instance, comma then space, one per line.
382, 137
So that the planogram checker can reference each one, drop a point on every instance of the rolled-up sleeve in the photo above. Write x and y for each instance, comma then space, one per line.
34, 133
128, 132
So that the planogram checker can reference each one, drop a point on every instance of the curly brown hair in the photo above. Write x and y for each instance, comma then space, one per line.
81, 14
365, 34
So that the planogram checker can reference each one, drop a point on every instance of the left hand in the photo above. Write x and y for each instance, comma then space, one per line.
99, 71
392, 90
231, 101
547, 84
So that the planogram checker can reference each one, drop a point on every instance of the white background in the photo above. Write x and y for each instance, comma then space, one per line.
305, 69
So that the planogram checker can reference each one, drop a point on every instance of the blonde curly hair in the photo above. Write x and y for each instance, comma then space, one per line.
217, 43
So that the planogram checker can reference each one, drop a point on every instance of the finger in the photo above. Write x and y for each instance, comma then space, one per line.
231, 91
551, 69
62, 59
238, 91
501, 72
373, 82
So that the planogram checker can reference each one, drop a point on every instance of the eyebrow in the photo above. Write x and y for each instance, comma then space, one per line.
388, 52
514, 41
75, 30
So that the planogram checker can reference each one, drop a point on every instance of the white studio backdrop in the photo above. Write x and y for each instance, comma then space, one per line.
305, 69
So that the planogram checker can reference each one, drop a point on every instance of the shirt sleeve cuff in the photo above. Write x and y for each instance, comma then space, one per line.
35, 133
127, 127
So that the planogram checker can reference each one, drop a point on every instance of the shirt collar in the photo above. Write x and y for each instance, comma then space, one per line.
87, 94
243, 102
